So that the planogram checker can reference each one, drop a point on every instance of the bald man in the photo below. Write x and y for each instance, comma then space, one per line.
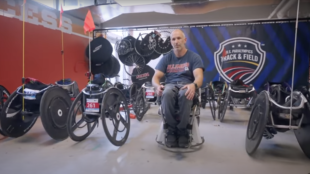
183, 70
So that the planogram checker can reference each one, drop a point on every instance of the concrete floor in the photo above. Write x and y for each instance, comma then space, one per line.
223, 151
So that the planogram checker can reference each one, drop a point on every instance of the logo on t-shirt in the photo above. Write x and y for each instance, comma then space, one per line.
175, 68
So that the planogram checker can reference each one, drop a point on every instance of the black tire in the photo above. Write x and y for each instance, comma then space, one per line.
257, 123
223, 106
212, 103
54, 109
140, 106
14, 126
4, 95
113, 98
71, 121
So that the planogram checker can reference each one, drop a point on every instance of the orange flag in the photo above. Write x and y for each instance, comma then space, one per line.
60, 19
89, 23
24, 2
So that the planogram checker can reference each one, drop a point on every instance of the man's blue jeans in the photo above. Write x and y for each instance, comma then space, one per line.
171, 94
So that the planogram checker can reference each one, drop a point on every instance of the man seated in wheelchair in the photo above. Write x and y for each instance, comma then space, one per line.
183, 70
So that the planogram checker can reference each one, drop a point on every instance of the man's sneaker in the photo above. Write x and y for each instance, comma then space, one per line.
171, 138
183, 138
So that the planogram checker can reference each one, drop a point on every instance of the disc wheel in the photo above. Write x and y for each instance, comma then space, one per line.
54, 109
140, 107
78, 120
116, 116
4, 95
12, 122
212, 102
223, 106
257, 123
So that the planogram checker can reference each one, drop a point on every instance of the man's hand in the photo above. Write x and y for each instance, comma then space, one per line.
159, 90
191, 89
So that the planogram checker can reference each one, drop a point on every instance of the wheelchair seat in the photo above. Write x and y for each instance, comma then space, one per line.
34, 84
70, 86
99, 79
244, 88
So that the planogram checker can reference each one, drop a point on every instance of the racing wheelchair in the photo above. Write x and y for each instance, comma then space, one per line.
237, 95
4, 95
34, 99
271, 114
99, 100
195, 140
214, 95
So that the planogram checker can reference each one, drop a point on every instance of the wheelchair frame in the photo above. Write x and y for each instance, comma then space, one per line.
96, 91
267, 126
230, 98
53, 128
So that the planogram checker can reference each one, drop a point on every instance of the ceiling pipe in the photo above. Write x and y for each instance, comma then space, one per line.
277, 9
286, 7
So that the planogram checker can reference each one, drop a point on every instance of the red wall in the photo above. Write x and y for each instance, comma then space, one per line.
43, 58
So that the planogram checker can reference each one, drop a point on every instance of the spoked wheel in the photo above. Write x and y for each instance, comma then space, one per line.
12, 121
133, 92
257, 123
4, 95
115, 116
135, 66
80, 125
212, 103
140, 107
145, 44
223, 106
54, 109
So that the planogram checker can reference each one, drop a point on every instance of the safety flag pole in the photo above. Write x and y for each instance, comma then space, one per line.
24, 4
293, 71
88, 27
62, 45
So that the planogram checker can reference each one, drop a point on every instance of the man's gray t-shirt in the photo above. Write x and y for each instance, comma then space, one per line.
180, 69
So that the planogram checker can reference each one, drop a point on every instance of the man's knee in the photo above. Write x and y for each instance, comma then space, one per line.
182, 94
168, 94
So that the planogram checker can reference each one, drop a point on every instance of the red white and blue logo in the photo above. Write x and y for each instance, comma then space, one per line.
239, 58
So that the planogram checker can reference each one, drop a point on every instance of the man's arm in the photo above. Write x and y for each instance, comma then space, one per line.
198, 74
156, 78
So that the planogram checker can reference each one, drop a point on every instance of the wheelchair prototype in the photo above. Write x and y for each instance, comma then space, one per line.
215, 94
99, 100
4, 95
51, 102
271, 114
237, 95
195, 139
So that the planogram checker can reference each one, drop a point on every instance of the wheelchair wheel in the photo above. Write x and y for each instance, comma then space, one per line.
77, 120
212, 103
223, 106
302, 134
139, 106
116, 111
4, 95
257, 123
54, 109
133, 91
12, 122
